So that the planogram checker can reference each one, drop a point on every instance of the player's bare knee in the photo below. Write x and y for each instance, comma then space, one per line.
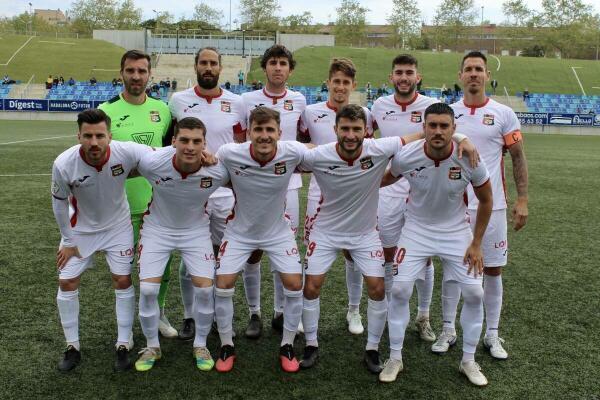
121, 281
293, 283
376, 288
69, 285
201, 282
312, 288
226, 281
492, 271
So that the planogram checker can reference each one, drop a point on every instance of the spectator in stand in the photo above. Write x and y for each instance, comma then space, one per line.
7, 81
494, 85
227, 85
240, 78
71, 81
93, 81
49, 82
456, 91
168, 83
319, 98
419, 84
526, 94
119, 82
61, 81
114, 82
174, 84
260, 85
384, 89
55, 81
324, 87
254, 85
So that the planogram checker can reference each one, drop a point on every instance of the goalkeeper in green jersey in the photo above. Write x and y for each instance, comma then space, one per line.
139, 118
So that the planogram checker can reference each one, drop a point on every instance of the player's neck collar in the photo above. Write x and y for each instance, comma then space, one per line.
331, 107
474, 107
126, 98
208, 99
183, 174
437, 161
262, 163
99, 166
350, 161
408, 103
274, 97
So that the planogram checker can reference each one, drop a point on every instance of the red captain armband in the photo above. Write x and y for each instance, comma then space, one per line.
512, 138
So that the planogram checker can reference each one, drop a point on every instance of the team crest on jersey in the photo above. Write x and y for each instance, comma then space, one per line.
454, 173
54, 188
117, 170
280, 168
415, 117
154, 116
206, 182
226, 106
288, 105
488, 119
366, 163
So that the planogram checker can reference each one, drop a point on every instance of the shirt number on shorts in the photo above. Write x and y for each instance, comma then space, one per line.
222, 249
310, 249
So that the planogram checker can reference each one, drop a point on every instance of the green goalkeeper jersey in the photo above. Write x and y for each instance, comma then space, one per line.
146, 123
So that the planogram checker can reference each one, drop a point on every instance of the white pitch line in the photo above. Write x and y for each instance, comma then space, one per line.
37, 140
50, 41
18, 50
578, 81
499, 63
21, 175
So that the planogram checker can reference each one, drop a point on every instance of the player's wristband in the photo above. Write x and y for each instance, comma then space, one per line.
459, 137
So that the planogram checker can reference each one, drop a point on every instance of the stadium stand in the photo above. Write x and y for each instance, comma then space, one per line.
562, 103
4, 91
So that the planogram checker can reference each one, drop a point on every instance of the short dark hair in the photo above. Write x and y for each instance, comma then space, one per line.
277, 50
211, 48
93, 116
343, 65
262, 114
404, 59
439, 109
352, 112
135, 55
473, 54
189, 123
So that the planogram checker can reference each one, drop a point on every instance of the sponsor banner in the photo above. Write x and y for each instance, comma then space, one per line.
69, 105
571, 119
25, 105
1, 105
597, 120
529, 118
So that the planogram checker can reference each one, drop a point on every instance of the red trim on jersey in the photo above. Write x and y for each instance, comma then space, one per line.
239, 134
438, 160
375, 126
74, 216
208, 99
474, 107
465, 198
404, 105
97, 167
274, 98
262, 164
348, 160
482, 185
183, 174
232, 213
330, 106
310, 221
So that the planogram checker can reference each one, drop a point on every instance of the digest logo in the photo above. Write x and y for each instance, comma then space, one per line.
24, 105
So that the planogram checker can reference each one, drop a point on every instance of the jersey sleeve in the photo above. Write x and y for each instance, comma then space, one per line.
173, 108
480, 175
397, 167
391, 145
60, 187
137, 151
308, 159
303, 127
370, 123
240, 126
511, 132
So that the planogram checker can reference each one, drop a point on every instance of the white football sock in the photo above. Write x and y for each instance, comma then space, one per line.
187, 291
251, 276
278, 294
376, 317
310, 320
292, 313
492, 300
399, 316
68, 308
224, 314
471, 316
388, 278
204, 307
468, 357
149, 312
354, 284
125, 310
425, 291
450, 299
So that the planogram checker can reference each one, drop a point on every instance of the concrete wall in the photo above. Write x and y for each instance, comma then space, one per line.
297, 41
129, 40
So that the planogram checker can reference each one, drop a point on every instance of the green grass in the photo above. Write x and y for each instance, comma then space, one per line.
550, 318
541, 75
44, 56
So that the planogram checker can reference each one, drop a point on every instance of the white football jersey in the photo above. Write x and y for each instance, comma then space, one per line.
318, 121
491, 127
290, 105
223, 117
400, 119
437, 200
178, 199
349, 188
260, 189
96, 193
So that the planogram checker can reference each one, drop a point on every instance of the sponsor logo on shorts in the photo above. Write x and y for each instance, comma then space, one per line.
366, 163
117, 170
500, 245
280, 168
206, 182
454, 173
488, 119
226, 106
292, 251
416, 117
154, 116
288, 105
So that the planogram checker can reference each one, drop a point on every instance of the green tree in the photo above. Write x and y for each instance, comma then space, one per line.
128, 16
208, 16
453, 17
351, 22
517, 13
88, 15
406, 19
566, 22
299, 23
259, 14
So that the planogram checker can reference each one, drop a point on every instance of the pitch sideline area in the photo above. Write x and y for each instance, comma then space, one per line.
550, 319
